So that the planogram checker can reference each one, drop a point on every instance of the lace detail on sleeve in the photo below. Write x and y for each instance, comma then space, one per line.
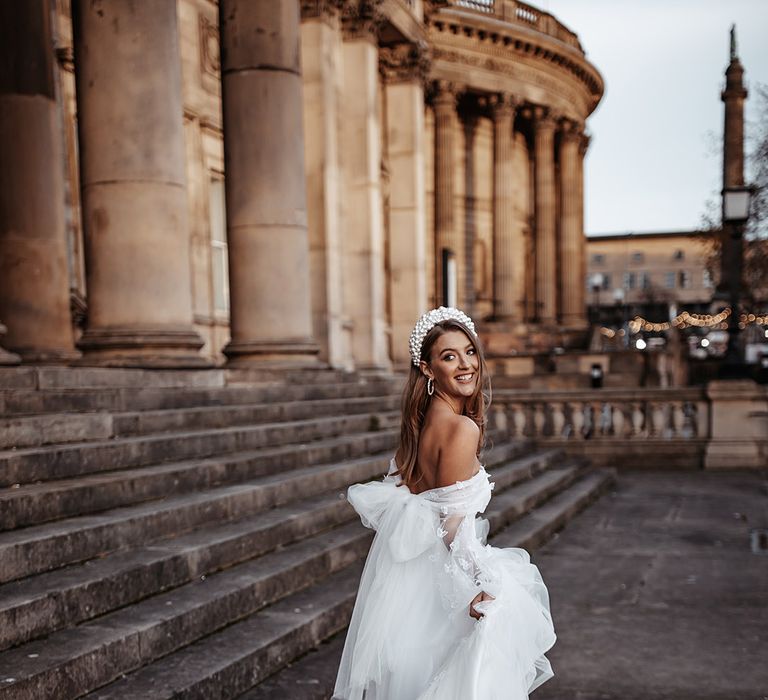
462, 576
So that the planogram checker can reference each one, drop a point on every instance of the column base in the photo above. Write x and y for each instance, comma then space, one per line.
7, 358
273, 353
142, 347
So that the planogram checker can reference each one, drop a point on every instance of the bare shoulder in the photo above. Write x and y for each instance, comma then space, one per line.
458, 453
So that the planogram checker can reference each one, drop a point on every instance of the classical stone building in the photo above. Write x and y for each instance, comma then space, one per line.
381, 157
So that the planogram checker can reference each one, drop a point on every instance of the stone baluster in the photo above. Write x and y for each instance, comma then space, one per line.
539, 419
558, 419
678, 419
619, 422
702, 419
638, 418
518, 420
577, 419
657, 415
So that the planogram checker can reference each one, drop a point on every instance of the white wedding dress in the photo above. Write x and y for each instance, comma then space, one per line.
411, 636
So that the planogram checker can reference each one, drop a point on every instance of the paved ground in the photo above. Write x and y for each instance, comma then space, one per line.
656, 593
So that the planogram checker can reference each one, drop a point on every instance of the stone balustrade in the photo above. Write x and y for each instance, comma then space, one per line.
720, 425
522, 13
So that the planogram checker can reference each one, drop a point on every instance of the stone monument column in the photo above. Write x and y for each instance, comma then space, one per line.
447, 239
404, 68
572, 311
546, 215
133, 181
508, 284
270, 316
34, 277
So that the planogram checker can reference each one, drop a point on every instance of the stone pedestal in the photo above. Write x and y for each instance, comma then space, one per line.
507, 282
403, 70
738, 425
133, 185
270, 316
321, 49
34, 278
572, 307
546, 216
363, 228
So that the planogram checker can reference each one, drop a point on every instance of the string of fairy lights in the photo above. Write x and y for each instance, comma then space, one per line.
686, 319
689, 320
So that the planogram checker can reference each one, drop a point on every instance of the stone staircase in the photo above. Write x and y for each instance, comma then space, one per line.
186, 534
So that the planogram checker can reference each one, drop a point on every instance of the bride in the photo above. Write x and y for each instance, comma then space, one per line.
440, 614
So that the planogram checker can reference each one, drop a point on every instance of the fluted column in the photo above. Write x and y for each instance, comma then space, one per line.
270, 318
508, 282
133, 178
447, 239
546, 215
404, 68
571, 227
34, 278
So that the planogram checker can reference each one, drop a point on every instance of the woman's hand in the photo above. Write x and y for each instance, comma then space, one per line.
478, 599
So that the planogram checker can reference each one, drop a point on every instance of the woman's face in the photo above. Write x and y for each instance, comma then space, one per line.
453, 365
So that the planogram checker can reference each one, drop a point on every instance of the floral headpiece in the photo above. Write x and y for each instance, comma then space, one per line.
428, 321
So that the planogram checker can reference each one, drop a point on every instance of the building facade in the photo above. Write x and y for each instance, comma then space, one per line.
652, 275
381, 157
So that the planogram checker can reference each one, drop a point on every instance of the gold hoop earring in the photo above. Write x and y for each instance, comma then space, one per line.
430, 387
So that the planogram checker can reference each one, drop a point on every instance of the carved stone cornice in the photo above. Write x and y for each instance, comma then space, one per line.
327, 10
361, 19
405, 63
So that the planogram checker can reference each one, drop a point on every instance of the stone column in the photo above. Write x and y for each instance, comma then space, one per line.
546, 215
404, 68
571, 228
508, 285
361, 140
270, 317
321, 56
34, 278
133, 180
447, 237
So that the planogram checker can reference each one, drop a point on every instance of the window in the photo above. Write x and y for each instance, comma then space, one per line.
707, 279
638, 257
684, 278
598, 259
630, 280
606, 281
219, 262
669, 280
679, 255
645, 280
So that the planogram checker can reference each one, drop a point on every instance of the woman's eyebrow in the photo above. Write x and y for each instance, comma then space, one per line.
469, 345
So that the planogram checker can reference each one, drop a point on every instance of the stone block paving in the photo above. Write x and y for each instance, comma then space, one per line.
656, 593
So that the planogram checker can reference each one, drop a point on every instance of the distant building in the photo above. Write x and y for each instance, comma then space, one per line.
648, 274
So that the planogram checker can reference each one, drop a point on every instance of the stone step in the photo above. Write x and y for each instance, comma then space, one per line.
313, 675
74, 661
246, 654
44, 547
34, 504
53, 428
54, 462
42, 604
16, 402
536, 528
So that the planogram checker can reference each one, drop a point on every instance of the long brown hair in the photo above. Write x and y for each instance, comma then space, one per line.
416, 401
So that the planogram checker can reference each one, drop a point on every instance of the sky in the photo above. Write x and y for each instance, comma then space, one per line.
655, 155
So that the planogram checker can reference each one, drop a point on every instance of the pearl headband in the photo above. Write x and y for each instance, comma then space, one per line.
428, 321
